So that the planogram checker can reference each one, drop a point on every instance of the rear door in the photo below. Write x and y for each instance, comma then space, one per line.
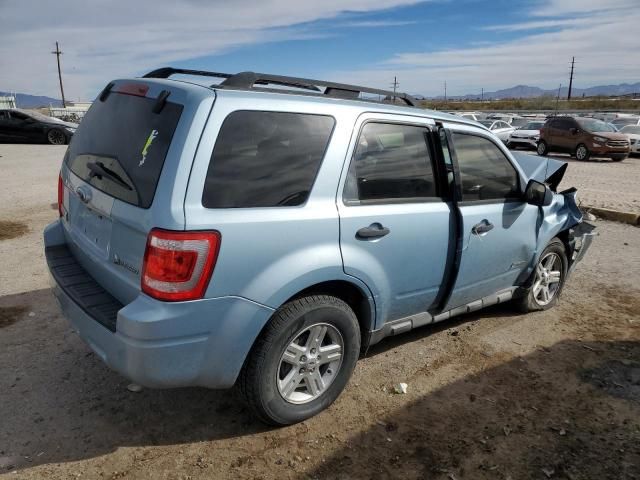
395, 224
498, 227
564, 139
114, 188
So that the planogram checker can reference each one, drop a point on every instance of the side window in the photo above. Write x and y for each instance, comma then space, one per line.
18, 116
564, 124
485, 172
266, 159
391, 162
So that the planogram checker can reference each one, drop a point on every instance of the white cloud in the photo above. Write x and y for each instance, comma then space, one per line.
106, 39
601, 34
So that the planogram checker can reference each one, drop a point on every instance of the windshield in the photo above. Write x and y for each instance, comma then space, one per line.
518, 122
487, 123
632, 129
592, 125
533, 126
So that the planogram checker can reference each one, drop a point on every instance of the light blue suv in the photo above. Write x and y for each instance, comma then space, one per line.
267, 230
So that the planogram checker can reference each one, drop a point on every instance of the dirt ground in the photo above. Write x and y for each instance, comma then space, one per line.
492, 395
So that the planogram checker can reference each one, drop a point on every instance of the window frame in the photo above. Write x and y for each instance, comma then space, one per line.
315, 176
434, 161
458, 177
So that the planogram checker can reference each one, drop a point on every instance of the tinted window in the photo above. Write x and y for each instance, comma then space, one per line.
123, 136
266, 159
484, 170
565, 124
390, 162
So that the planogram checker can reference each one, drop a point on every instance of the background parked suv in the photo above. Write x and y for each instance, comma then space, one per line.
582, 137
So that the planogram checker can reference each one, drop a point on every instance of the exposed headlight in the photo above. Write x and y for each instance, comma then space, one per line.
600, 139
70, 129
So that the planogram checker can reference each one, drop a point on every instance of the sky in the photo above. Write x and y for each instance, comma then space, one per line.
469, 44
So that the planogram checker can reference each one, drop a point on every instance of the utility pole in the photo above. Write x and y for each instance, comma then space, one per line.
573, 60
395, 85
558, 98
445, 91
57, 53
482, 97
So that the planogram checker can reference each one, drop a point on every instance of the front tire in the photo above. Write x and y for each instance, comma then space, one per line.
542, 149
548, 279
55, 136
302, 360
582, 153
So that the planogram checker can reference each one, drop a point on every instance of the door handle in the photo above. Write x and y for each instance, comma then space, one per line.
375, 230
482, 228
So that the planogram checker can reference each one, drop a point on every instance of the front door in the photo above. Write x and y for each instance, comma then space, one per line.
498, 227
395, 225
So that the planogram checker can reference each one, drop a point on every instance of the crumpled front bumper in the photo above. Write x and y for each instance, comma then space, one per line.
580, 239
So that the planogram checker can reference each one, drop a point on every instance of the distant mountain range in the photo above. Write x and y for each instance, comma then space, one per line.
525, 91
24, 100
519, 91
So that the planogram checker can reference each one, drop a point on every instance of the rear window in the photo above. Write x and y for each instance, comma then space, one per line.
266, 159
121, 144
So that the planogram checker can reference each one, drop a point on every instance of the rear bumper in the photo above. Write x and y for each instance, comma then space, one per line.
157, 344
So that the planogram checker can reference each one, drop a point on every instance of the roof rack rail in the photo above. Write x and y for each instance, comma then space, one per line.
248, 80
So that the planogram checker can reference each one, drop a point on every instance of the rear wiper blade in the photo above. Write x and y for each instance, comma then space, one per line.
97, 169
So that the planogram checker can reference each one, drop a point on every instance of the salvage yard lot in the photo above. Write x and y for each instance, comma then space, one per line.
494, 394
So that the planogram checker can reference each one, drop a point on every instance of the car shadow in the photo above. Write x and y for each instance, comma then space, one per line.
571, 411
61, 403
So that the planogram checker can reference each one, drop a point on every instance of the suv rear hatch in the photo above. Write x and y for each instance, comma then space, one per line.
126, 172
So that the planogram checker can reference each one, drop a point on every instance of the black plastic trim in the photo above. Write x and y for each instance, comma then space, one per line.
85, 292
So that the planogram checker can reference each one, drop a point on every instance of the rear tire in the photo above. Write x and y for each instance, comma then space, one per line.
582, 153
55, 136
548, 279
290, 375
542, 149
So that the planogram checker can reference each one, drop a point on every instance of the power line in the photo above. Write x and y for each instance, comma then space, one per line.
573, 60
395, 85
57, 53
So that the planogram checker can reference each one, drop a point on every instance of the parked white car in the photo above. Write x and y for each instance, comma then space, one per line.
526, 136
633, 133
475, 116
501, 129
621, 122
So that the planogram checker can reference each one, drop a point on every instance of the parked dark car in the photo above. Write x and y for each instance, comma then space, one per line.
582, 137
22, 126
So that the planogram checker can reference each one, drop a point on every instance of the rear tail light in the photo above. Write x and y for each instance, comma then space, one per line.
178, 265
60, 194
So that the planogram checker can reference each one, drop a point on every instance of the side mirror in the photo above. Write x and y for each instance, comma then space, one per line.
538, 194
574, 131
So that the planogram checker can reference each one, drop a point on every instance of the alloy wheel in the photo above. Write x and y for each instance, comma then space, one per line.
581, 152
56, 137
310, 363
547, 280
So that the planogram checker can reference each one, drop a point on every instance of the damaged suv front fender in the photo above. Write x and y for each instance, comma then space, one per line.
562, 218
